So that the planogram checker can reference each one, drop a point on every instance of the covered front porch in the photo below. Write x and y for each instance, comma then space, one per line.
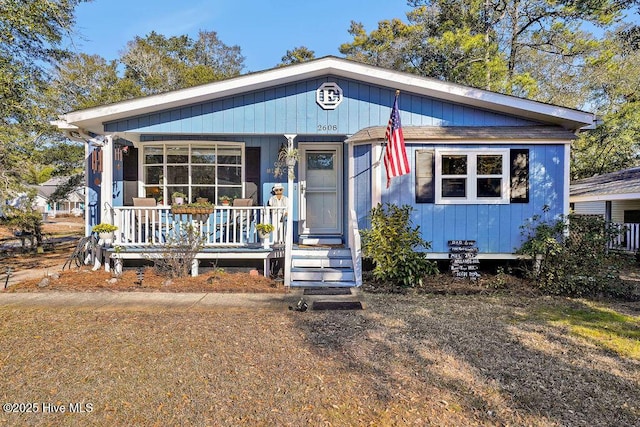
232, 233
220, 232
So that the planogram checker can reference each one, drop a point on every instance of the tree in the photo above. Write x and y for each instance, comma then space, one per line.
612, 79
83, 81
388, 46
485, 43
36, 174
30, 39
298, 55
159, 64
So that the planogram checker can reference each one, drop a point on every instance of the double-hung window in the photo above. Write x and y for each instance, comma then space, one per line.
471, 176
199, 169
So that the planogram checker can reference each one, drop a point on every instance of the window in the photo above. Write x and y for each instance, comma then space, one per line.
202, 169
472, 176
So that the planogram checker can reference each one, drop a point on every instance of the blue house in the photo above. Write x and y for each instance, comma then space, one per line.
482, 163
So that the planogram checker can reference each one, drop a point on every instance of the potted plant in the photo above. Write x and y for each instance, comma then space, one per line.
287, 159
225, 200
105, 231
264, 230
178, 198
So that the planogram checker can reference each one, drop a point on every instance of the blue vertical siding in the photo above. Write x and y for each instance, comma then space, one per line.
496, 228
292, 108
94, 181
362, 184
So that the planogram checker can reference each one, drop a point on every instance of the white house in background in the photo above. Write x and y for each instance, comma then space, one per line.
616, 197
72, 204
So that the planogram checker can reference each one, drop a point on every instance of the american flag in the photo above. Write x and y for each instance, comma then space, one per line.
396, 161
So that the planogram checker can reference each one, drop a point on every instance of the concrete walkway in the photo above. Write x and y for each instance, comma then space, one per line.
157, 301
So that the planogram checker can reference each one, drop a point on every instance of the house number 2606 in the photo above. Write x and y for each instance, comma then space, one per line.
326, 128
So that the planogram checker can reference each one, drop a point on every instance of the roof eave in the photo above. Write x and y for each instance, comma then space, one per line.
600, 197
93, 118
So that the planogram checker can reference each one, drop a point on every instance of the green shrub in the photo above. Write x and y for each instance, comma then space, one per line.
571, 255
393, 244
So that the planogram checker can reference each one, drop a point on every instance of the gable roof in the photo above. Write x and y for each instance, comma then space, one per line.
92, 119
624, 184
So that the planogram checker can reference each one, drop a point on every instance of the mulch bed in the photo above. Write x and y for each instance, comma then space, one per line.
86, 280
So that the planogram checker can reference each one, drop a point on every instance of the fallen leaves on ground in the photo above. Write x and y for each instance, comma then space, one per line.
147, 280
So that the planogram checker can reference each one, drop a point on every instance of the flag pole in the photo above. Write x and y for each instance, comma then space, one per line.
384, 144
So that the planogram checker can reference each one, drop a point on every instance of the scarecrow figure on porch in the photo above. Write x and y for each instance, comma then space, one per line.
278, 200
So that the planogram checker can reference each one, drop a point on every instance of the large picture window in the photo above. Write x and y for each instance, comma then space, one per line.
472, 176
203, 169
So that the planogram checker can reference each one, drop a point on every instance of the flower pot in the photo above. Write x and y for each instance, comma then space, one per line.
225, 203
262, 235
106, 236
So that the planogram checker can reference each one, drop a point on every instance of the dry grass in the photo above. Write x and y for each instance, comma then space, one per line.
405, 360
487, 353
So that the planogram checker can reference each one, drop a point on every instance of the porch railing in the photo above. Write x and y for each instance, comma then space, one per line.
225, 226
628, 237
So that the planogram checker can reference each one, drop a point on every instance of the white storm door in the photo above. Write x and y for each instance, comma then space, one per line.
320, 188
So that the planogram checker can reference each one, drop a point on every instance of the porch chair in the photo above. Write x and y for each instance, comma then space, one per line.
244, 218
139, 214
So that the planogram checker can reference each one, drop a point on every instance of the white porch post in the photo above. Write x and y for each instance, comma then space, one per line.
376, 173
288, 239
106, 186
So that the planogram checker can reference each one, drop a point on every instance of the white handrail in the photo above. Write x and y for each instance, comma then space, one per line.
356, 247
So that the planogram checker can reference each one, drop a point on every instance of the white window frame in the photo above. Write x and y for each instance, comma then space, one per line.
142, 185
471, 197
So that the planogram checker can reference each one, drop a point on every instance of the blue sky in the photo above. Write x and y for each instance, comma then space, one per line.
264, 29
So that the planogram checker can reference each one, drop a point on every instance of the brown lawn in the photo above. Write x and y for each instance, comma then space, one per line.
460, 354
404, 360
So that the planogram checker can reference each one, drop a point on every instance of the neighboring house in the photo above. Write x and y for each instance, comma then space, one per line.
482, 163
616, 197
72, 204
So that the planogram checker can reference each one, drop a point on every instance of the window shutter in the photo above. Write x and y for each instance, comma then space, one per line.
519, 175
425, 179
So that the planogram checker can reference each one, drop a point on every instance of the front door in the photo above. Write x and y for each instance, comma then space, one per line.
320, 189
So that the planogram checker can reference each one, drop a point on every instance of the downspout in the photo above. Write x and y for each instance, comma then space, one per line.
288, 240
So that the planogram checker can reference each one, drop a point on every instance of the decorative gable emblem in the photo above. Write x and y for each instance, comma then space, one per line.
329, 96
